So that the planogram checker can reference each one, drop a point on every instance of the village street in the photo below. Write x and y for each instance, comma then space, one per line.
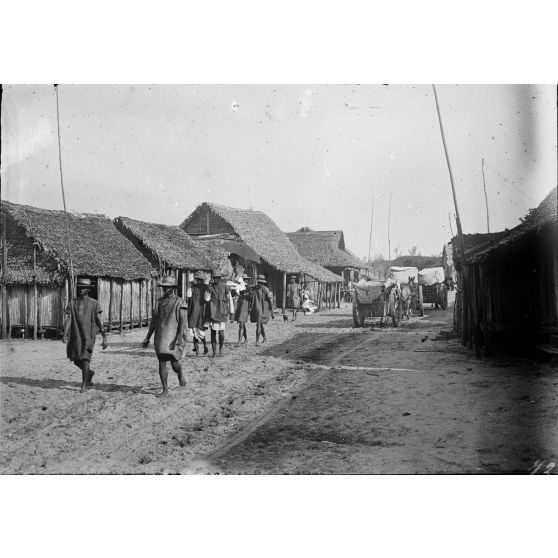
319, 397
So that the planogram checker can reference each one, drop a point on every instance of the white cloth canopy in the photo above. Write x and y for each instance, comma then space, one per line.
431, 276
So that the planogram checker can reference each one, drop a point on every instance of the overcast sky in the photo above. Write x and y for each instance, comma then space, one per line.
306, 155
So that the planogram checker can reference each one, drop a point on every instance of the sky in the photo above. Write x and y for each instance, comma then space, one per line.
315, 156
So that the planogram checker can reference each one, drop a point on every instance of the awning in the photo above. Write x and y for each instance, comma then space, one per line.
240, 249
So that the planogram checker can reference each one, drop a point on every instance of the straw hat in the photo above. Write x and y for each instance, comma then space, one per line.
261, 279
200, 275
168, 281
84, 283
217, 273
245, 276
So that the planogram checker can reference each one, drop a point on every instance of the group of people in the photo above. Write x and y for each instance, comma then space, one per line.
206, 306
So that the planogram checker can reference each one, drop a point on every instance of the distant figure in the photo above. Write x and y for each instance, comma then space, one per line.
221, 309
261, 308
293, 298
308, 305
80, 328
169, 324
237, 269
197, 312
242, 312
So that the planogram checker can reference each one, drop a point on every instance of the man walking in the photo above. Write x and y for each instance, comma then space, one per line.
221, 309
293, 296
169, 324
197, 311
261, 308
80, 328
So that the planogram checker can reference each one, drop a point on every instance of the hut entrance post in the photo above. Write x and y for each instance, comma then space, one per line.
110, 305
121, 306
35, 304
284, 302
131, 304
140, 304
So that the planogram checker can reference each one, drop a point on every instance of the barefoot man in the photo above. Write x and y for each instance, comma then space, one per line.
221, 309
81, 326
169, 324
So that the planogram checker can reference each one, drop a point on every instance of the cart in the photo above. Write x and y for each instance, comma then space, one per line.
376, 299
432, 288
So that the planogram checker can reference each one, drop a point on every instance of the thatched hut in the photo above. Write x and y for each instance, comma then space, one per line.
171, 251
508, 285
327, 249
36, 275
254, 232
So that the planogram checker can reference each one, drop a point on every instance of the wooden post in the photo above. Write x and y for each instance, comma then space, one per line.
140, 303
284, 305
121, 303
35, 305
338, 294
26, 310
110, 305
131, 304
148, 309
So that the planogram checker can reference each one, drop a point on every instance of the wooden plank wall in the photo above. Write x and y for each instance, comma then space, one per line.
52, 302
22, 312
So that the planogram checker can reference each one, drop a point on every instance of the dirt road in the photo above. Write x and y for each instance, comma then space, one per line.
320, 397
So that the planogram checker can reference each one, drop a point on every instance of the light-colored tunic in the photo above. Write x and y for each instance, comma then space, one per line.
167, 316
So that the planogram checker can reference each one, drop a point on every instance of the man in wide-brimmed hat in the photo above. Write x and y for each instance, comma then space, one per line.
169, 324
261, 307
80, 328
197, 311
221, 309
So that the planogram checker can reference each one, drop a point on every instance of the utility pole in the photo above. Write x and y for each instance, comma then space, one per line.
485, 198
71, 265
457, 219
371, 223
389, 238
451, 228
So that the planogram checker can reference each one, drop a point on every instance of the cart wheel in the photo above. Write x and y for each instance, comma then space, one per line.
395, 309
356, 318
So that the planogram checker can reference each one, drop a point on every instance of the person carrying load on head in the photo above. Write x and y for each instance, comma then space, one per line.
197, 312
221, 309
261, 307
80, 328
169, 325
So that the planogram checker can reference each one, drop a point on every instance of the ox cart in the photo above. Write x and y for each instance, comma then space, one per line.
432, 288
376, 299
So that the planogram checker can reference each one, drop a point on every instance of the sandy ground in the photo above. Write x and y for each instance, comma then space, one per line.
319, 397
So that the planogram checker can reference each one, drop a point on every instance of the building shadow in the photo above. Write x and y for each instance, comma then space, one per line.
51, 383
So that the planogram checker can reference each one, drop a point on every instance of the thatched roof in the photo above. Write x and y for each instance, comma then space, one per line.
326, 248
478, 247
98, 249
171, 245
260, 233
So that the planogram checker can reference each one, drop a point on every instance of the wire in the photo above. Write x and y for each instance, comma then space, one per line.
510, 183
